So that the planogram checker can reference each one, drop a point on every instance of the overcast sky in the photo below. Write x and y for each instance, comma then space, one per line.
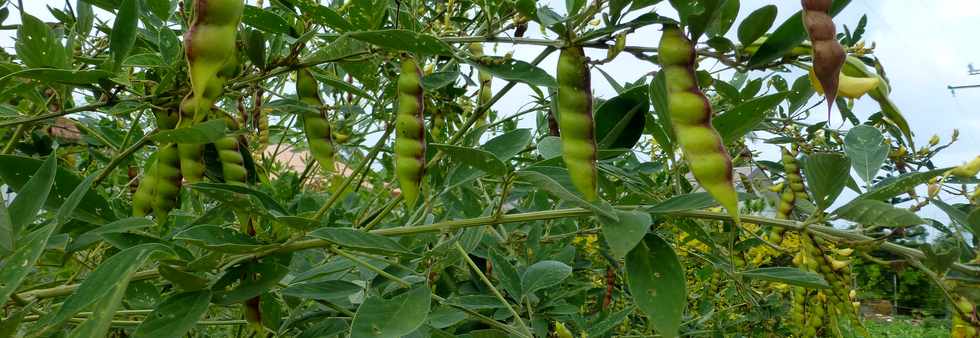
924, 45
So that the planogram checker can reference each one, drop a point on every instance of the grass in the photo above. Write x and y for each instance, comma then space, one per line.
906, 327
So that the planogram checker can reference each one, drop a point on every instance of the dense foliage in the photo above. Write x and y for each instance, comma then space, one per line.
294, 169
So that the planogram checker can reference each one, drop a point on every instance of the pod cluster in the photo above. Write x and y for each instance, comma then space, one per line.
230, 155
964, 319
828, 54
315, 122
577, 129
210, 50
410, 131
791, 193
690, 115
817, 312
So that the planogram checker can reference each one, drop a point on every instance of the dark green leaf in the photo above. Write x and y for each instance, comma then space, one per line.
479, 159
623, 235
175, 316
123, 36
404, 40
200, 133
329, 290
866, 147
555, 181
514, 70
438, 80
25, 255
746, 116
619, 121
507, 275
219, 239
16, 170
825, 175
544, 274
67, 209
392, 318
872, 212
265, 20
360, 240
508, 144
656, 283
325, 16
23, 210
756, 24
788, 275
893, 187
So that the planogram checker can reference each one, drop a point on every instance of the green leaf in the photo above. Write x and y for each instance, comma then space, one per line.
746, 116
479, 159
98, 324
103, 283
124, 30
697, 23
514, 70
341, 85
392, 318
26, 254
219, 239
958, 216
623, 235
267, 201
788, 275
509, 144
619, 121
200, 133
184, 280
437, 80
367, 14
360, 240
250, 279
267, 21
329, 290
329, 327
692, 201
789, 35
162, 9
404, 40
893, 187
600, 328
124, 225
324, 15
23, 210
507, 275
175, 316
38, 46
67, 209
658, 95
826, 175
656, 282
756, 24
556, 182
800, 94
16, 170
66, 76
872, 212
544, 274
727, 14
866, 147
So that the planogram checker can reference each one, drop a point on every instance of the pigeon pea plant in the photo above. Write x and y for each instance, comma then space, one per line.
158, 161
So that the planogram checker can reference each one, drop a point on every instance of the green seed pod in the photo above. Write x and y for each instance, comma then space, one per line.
232, 162
315, 123
409, 149
690, 115
577, 129
160, 187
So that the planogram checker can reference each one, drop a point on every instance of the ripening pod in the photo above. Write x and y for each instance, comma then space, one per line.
409, 149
